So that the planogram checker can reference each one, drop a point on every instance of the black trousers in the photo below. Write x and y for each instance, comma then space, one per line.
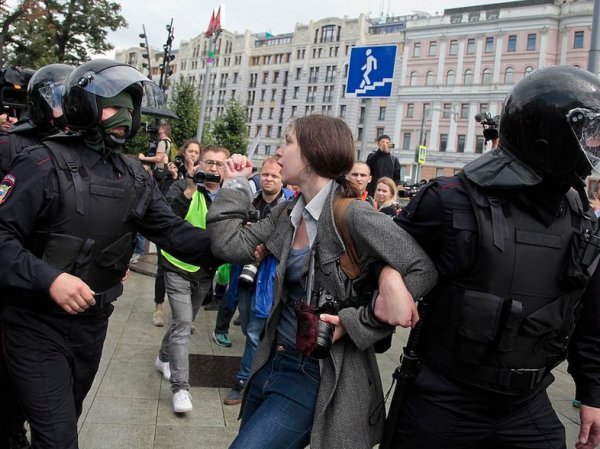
53, 359
12, 419
439, 413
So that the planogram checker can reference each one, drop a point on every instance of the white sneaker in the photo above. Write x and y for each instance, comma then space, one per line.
164, 368
182, 401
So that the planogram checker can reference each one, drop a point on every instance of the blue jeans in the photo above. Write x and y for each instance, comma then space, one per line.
139, 245
280, 403
185, 298
252, 327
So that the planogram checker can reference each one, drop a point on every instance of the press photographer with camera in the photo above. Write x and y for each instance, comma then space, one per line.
187, 284
490, 127
336, 401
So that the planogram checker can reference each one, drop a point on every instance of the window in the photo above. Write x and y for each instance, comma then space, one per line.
413, 79
471, 46
489, 44
271, 116
509, 75
443, 142
439, 172
492, 15
460, 148
343, 111
468, 79
512, 43
275, 77
361, 119
382, 113
298, 72
464, 110
479, 144
265, 77
379, 131
429, 78
456, 18
528, 70
359, 134
269, 130
294, 109
447, 109
296, 92
450, 78
260, 113
486, 76
416, 50
273, 93
327, 33
432, 48
410, 110
578, 39
453, 49
483, 107
262, 95
406, 141
474, 16
531, 42
267, 149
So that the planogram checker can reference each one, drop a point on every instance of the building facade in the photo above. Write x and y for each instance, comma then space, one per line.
449, 67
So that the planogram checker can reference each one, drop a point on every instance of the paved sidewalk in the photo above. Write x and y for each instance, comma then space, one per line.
129, 405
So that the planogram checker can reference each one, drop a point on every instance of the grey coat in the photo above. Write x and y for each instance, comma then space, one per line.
349, 410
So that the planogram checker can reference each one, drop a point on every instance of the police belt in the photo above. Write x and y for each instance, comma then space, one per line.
108, 296
509, 379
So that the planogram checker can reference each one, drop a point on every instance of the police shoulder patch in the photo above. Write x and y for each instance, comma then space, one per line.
6, 187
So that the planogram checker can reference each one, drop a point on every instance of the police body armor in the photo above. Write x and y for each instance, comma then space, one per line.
93, 235
13, 142
506, 321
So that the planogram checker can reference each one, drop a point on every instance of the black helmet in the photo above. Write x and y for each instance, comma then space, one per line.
44, 92
105, 78
13, 87
536, 122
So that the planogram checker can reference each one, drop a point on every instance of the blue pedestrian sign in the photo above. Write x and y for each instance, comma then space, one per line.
371, 71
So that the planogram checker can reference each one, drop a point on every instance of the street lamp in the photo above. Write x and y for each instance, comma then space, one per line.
146, 55
416, 165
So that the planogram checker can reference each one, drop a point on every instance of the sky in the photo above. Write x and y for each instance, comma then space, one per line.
191, 17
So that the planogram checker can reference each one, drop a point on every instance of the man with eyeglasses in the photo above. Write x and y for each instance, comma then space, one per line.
187, 284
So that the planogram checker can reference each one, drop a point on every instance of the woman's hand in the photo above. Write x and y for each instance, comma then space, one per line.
237, 165
172, 170
395, 305
340, 330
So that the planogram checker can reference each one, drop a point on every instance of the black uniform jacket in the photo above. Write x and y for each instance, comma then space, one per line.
30, 197
426, 219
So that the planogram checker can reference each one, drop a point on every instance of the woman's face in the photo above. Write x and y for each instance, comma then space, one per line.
382, 193
192, 153
293, 165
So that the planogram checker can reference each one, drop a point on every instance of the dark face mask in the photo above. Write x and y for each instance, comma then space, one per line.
121, 119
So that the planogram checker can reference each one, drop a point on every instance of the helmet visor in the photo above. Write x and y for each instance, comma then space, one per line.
585, 124
52, 94
112, 80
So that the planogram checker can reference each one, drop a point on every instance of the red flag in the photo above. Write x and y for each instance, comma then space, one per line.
218, 20
211, 25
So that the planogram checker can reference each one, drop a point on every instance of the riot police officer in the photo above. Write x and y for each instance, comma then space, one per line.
44, 117
69, 211
516, 247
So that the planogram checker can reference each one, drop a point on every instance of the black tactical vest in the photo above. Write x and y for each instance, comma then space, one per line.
12, 144
506, 321
92, 236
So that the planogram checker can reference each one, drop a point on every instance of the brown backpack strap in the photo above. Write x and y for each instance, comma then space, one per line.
348, 260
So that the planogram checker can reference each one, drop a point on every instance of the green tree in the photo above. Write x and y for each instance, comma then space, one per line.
230, 129
141, 141
38, 32
186, 105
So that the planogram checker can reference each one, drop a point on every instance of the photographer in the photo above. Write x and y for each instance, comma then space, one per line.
292, 398
490, 127
187, 284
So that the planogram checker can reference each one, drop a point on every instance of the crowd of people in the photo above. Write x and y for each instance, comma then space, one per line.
502, 259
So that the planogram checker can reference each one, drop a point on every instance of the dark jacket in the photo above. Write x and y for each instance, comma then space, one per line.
382, 164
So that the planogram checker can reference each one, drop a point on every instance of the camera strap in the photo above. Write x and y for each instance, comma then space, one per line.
310, 277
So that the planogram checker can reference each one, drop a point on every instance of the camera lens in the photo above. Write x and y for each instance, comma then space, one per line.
248, 273
324, 340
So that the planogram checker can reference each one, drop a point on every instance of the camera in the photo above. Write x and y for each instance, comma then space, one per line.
489, 123
249, 271
201, 177
179, 162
